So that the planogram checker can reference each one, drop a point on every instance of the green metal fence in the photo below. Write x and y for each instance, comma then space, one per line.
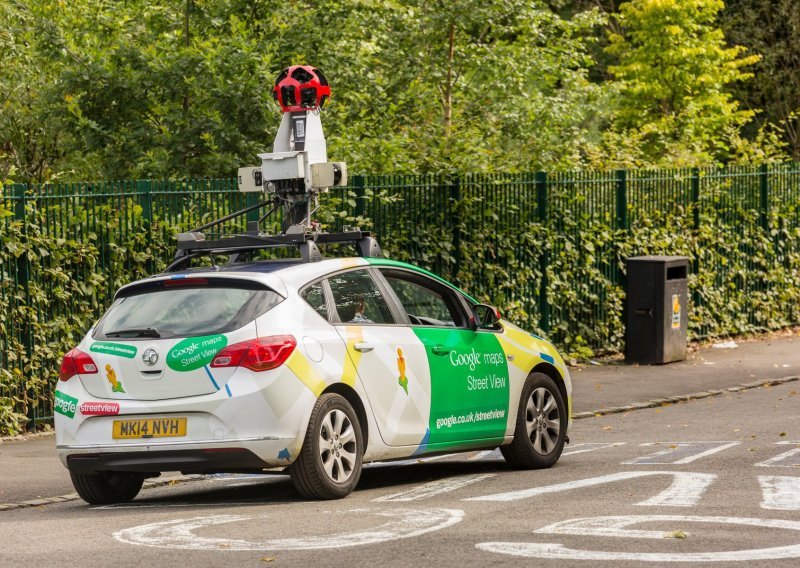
549, 248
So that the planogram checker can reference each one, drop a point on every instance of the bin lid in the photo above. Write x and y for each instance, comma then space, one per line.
659, 259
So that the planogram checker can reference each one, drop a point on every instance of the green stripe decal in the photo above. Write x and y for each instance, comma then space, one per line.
469, 385
196, 352
65, 404
118, 349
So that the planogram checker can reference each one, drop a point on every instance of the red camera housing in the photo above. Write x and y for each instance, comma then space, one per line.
300, 88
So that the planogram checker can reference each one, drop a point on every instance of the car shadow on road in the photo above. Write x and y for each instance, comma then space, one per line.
259, 490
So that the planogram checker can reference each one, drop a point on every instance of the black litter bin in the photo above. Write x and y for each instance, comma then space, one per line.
656, 319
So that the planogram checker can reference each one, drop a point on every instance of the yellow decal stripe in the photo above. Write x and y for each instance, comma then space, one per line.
352, 356
522, 358
522, 339
300, 366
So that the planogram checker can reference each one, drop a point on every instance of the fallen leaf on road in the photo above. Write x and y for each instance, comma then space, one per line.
675, 534
268, 559
673, 446
782, 434
608, 428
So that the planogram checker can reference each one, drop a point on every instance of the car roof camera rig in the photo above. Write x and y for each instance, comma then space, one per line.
291, 177
297, 170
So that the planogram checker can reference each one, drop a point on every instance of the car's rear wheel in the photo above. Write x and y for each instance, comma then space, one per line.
107, 487
541, 427
329, 464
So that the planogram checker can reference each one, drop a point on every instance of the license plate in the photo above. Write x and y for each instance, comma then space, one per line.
149, 428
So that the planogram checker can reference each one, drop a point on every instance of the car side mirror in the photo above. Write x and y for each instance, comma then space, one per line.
484, 317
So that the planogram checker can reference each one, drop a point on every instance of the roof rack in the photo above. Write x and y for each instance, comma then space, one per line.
193, 244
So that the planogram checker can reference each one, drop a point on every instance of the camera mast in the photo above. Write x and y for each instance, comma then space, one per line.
291, 177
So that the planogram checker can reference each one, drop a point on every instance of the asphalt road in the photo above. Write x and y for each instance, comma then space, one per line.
712, 481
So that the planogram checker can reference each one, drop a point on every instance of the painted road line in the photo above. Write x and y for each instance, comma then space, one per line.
179, 533
680, 453
780, 492
193, 504
616, 527
786, 459
434, 488
686, 491
681, 481
573, 449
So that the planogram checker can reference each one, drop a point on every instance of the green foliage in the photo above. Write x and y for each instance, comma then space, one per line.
673, 74
557, 269
770, 28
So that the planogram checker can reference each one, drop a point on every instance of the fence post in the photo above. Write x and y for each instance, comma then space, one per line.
251, 198
23, 280
358, 189
622, 199
695, 181
144, 189
696, 197
544, 257
455, 221
763, 214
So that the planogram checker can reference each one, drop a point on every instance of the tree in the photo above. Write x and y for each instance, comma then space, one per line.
674, 74
135, 89
442, 86
770, 28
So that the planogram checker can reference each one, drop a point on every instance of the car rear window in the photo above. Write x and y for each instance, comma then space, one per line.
184, 308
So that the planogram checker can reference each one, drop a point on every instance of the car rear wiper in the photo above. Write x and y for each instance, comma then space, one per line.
134, 332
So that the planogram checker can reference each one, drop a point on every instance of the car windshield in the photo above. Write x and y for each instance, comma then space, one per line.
184, 311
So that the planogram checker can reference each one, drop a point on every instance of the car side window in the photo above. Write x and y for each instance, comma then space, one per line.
358, 299
314, 295
426, 302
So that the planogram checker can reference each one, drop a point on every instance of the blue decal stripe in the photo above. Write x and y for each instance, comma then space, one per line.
210, 376
227, 388
547, 358
423, 444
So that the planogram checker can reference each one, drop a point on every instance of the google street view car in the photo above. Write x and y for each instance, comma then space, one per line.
313, 365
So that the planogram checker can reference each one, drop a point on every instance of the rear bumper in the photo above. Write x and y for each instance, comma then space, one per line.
200, 456
210, 460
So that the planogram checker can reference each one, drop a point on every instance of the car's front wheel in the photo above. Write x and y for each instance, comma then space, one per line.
107, 487
541, 427
329, 464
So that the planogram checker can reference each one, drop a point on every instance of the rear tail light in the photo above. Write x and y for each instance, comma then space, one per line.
74, 363
260, 354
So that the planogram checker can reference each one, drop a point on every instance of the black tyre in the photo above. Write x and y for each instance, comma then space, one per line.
107, 487
541, 425
329, 464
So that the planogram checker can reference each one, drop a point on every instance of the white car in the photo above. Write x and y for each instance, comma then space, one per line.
316, 367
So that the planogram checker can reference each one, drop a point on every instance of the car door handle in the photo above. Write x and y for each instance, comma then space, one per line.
440, 350
363, 347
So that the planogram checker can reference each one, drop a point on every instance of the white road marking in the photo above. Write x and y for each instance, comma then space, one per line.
614, 527
786, 459
179, 533
680, 453
685, 491
435, 488
573, 449
145, 505
780, 492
